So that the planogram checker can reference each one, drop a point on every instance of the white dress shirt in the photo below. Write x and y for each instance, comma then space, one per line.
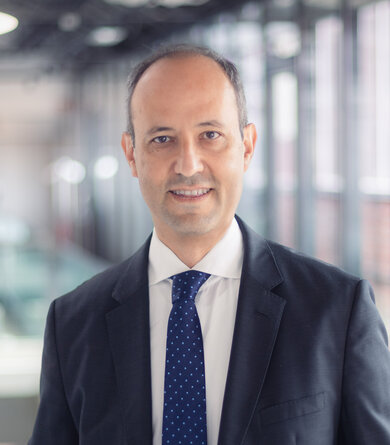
216, 303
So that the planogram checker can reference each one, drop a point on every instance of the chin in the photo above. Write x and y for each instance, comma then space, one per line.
192, 224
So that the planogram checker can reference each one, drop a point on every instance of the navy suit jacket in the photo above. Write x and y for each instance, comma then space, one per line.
309, 361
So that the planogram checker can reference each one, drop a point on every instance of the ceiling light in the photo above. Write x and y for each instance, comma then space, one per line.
106, 167
69, 21
107, 36
69, 170
7, 23
283, 39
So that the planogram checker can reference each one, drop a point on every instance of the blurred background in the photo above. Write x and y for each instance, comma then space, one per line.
317, 79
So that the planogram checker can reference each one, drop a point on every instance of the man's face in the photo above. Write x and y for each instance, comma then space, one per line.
189, 155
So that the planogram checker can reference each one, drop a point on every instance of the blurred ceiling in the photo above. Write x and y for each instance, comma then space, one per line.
70, 32
79, 34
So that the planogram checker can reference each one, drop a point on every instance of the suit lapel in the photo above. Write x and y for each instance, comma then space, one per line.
128, 329
259, 313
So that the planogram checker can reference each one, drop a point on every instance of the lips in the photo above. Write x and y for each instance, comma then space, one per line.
191, 193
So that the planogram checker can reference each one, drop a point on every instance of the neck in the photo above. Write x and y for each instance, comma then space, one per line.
190, 249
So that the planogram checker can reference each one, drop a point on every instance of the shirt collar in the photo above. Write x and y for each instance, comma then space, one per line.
224, 259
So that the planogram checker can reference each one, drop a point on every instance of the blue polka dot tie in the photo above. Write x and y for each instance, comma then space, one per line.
184, 417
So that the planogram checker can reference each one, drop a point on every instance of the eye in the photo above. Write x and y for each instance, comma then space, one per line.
211, 135
161, 139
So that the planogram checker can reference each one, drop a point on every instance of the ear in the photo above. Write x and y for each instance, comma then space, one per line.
128, 149
250, 137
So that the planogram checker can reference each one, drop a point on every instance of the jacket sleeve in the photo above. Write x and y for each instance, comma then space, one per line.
365, 411
54, 424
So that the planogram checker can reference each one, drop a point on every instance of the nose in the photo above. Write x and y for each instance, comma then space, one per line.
188, 161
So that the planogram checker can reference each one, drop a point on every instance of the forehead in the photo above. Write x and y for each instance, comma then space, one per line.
185, 79
189, 65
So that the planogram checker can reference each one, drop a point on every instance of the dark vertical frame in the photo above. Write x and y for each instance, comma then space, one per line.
305, 144
349, 147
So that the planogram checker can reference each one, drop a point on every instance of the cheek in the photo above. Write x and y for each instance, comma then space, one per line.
231, 176
231, 168
150, 176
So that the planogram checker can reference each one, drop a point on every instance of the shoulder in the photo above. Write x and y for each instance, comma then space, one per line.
293, 273
297, 266
314, 286
94, 295
98, 293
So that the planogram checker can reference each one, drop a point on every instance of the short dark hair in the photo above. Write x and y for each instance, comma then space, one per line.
183, 50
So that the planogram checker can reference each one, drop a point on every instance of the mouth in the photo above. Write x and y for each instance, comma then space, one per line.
191, 194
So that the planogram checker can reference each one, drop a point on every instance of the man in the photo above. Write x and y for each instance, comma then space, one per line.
267, 347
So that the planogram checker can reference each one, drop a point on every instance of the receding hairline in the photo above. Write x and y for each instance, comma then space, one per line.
179, 55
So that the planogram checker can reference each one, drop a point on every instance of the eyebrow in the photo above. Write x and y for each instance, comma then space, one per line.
158, 130
212, 123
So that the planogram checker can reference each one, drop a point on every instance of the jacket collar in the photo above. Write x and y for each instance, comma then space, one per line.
135, 275
258, 317
259, 261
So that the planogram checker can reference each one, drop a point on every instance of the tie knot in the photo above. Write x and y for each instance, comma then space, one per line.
187, 284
